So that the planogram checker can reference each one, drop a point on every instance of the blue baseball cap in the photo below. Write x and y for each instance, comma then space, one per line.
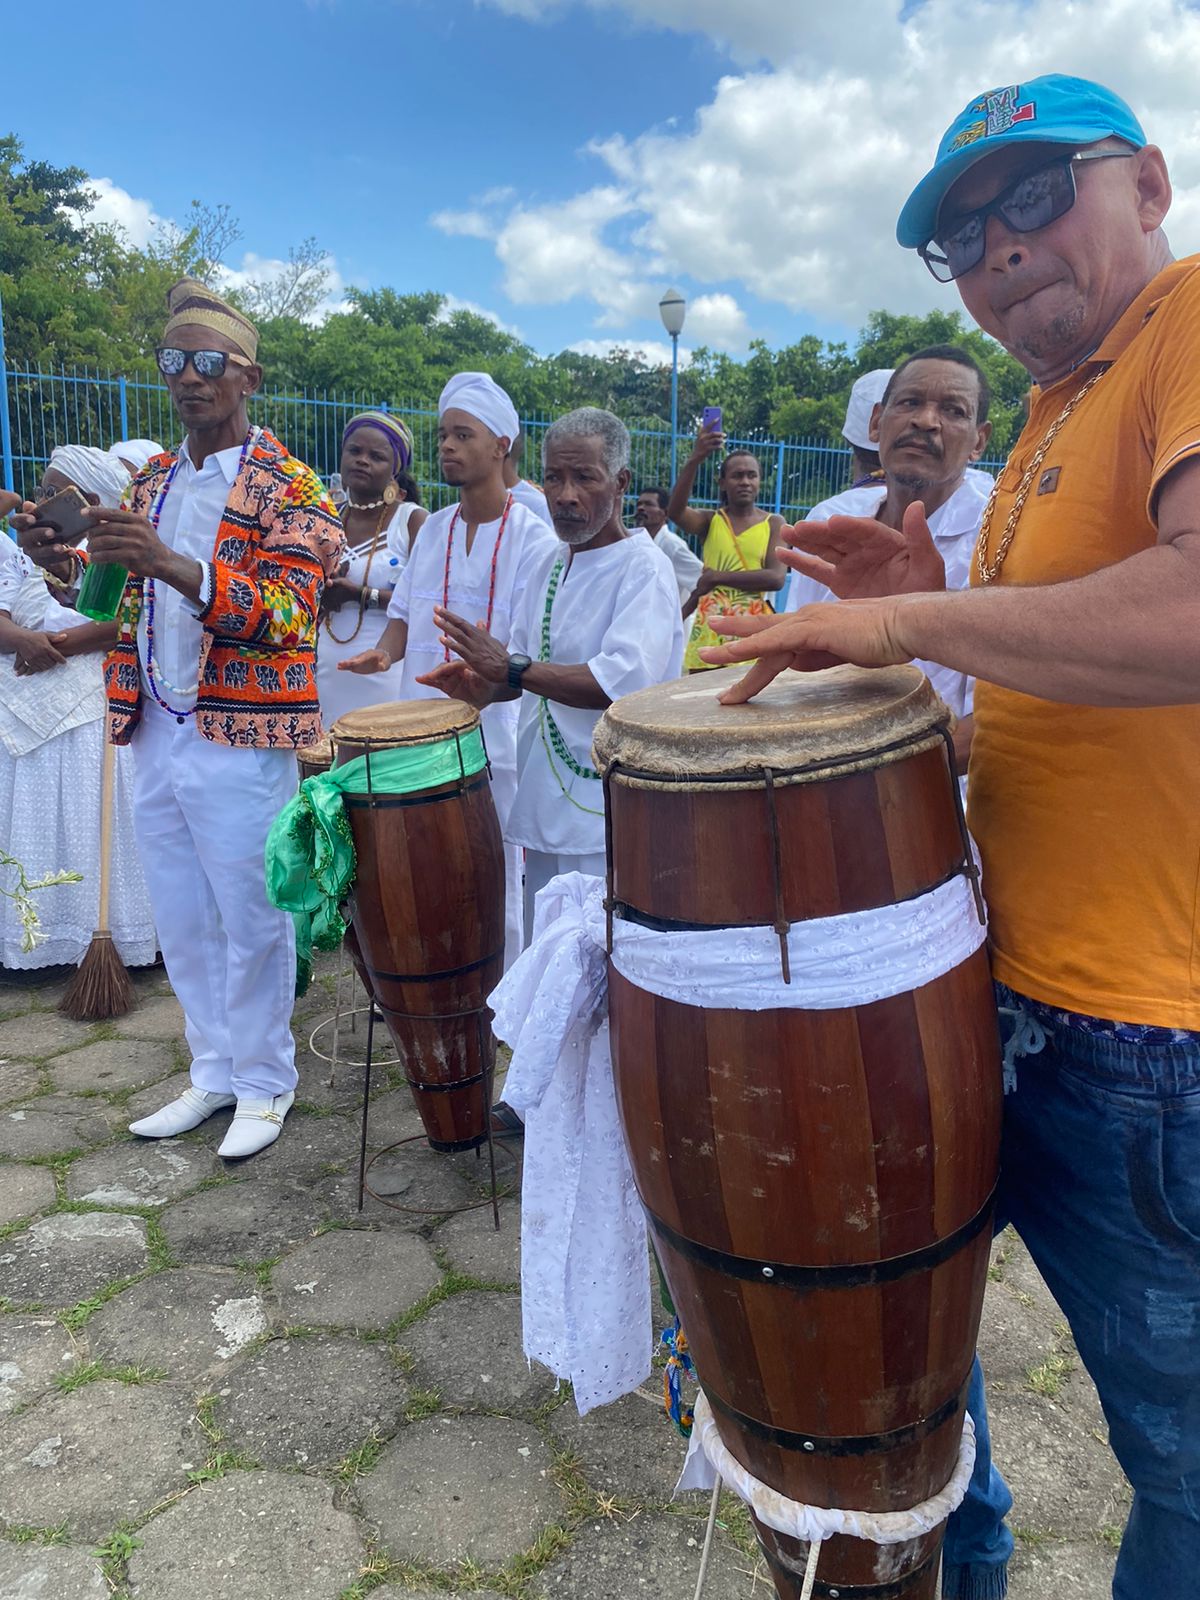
1050, 110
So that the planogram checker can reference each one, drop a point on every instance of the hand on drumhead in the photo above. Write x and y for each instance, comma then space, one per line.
366, 661
860, 559
485, 655
460, 682
860, 632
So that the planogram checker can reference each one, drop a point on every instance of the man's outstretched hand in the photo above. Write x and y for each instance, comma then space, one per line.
863, 633
860, 559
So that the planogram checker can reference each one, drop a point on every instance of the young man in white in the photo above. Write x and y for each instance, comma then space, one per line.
929, 426
475, 558
600, 617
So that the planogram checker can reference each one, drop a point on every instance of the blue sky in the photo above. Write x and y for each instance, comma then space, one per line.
559, 163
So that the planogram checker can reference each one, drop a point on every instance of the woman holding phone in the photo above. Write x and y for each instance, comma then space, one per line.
52, 734
741, 569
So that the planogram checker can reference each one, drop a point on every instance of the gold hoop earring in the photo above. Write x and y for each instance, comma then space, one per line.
391, 494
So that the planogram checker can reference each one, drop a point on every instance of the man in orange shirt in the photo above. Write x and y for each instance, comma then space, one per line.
1045, 205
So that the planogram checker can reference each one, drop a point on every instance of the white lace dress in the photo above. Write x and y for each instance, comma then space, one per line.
51, 758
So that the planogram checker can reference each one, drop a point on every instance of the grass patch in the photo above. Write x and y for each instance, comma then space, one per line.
362, 1460
95, 1371
221, 1462
27, 1533
1111, 1535
1047, 1377
260, 1271
77, 1316
1033, 1538
114, 1554
422, 1403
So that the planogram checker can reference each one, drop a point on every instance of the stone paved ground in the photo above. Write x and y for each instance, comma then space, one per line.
220, 1383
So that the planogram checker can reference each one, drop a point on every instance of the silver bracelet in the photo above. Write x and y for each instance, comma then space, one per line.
373, 599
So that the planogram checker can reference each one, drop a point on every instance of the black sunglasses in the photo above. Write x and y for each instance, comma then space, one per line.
208, 363
1032, 201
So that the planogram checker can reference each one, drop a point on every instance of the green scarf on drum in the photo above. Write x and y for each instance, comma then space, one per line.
310, 862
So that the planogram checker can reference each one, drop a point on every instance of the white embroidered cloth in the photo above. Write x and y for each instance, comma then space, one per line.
585, 1277
38, 708
585, 1296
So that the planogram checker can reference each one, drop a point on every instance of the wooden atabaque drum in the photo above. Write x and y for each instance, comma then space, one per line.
429, 902
819, 1183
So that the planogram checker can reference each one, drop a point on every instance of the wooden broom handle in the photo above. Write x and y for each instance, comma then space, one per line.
107, 779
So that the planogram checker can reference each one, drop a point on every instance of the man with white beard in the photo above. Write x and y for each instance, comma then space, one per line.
599, 618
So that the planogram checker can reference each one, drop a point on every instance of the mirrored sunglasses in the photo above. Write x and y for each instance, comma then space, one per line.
1032, 201
208, 363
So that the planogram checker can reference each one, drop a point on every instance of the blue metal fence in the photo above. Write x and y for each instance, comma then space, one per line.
78, 405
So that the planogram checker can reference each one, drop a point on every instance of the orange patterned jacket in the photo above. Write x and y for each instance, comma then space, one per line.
278, 542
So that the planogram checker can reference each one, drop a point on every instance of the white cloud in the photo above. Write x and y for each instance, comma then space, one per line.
465, 224
717, 320
453, 303
256, 269
116, 207
788, 182
654, 352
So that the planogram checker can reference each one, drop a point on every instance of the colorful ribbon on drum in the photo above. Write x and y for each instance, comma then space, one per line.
310, 862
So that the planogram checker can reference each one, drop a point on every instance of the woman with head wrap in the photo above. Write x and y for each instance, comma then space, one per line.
381, 516
133, 454
52, 751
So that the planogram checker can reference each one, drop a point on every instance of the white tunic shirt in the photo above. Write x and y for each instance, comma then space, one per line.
187, 524
955, 528
423, 585
616, 610
531, 496
687, 564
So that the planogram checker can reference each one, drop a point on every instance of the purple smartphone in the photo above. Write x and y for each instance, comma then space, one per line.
710, 419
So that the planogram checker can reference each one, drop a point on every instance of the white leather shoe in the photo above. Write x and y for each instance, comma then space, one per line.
193, 1107
255, 1125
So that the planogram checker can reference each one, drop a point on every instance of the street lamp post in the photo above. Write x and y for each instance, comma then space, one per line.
671, 308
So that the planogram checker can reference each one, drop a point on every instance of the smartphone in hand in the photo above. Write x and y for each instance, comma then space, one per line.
710, 419
65, 512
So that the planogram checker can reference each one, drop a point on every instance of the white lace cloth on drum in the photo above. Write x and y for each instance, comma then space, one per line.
708, 1458
585, 1293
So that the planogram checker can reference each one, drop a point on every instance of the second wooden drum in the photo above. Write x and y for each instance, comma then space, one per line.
429, 901
818, 1182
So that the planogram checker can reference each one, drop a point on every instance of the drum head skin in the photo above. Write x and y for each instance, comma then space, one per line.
316, 757
804, 726
400, 722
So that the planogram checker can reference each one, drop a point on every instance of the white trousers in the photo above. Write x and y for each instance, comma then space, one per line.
203, 813
541, 867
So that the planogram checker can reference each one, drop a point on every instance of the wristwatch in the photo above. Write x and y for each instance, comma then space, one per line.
518, 666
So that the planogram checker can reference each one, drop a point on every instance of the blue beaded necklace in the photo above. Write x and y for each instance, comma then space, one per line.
153, 675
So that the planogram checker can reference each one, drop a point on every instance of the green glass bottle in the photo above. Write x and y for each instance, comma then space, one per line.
101, 590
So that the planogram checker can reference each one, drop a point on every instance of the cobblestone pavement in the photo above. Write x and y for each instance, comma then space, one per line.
220, 1383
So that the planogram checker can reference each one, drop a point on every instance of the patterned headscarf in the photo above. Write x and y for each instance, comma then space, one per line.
191, 303
397, 435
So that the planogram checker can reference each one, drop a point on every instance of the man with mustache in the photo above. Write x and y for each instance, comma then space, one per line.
929, 425
1046, 204
600, 618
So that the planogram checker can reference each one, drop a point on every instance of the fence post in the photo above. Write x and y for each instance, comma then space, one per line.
779, 480
5, 430
124, 404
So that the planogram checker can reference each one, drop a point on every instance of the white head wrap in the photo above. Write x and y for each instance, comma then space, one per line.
94, 471
483, 398
866, 394
136, 451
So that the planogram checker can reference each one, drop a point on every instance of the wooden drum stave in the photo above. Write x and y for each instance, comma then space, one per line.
429, 908
818, 1182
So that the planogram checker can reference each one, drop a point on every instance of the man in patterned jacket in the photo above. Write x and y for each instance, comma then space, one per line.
212, 680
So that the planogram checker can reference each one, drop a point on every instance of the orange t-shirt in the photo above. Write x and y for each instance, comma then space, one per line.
1088, 818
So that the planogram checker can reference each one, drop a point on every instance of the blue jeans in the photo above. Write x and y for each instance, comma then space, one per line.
1101, 1178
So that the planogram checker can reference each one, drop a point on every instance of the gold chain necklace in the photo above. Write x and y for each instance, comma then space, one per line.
362, 593
989, 570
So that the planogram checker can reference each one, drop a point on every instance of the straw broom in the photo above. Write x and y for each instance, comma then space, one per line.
101, 987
